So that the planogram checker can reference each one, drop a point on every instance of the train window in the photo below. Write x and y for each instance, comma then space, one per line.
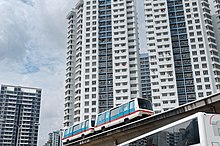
131, 104
121, 108
183, 134
71, 130
82, 124
144, 104
76, 127
126, 107
107, 115
103, 116
114, 112
99, 118
87, 123
66, 133
93, 123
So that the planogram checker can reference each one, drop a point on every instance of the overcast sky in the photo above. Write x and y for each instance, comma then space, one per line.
32, 53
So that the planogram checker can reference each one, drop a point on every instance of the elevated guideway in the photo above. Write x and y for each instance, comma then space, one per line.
123, 133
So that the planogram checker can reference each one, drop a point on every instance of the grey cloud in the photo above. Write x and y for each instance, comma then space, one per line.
13, 35
32, 53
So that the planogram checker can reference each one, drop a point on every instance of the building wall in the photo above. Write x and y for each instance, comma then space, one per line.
125, 51
20, 112
145, 76
70, 69
184, 62
161, 61
106, 57
54, 138
215, 12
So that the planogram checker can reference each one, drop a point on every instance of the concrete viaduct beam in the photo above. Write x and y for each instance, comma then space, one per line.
123, 133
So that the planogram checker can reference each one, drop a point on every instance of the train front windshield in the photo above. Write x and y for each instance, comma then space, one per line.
144, 104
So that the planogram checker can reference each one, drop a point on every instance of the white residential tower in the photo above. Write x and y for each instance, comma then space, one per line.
102, 58
183, 54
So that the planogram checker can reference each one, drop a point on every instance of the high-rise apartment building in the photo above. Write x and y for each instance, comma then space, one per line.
54, 138
71, 79
183, 54
145, 76
102, 58
215, 13
20, 112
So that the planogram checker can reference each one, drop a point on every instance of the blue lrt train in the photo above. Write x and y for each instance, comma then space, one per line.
123, 113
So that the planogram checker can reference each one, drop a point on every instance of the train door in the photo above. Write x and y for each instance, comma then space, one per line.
83, 126
132, 107
104, 118
66, 133
107, 116
126, 109
121, 111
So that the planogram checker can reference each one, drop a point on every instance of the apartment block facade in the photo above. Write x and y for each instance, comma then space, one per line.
19, 114
183, 53
215, 13
54, 138
145, 76
104, 68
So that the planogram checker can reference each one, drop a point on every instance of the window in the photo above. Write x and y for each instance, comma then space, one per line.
200, 94
86, 110
165, 102
87, 64
198, 80
197, 73
156, 104
144, 104
207, 87
206, 79
87, 83
93, 102
201, 46
196, 66
204, 65
86, 103
202, 52
205, 72
184, 129
195, 59
114, 112
86, 96
86, 76
87, 70
87, 58
93, 96
203, 59
172, 101
86, 89
93, 110
199, 87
